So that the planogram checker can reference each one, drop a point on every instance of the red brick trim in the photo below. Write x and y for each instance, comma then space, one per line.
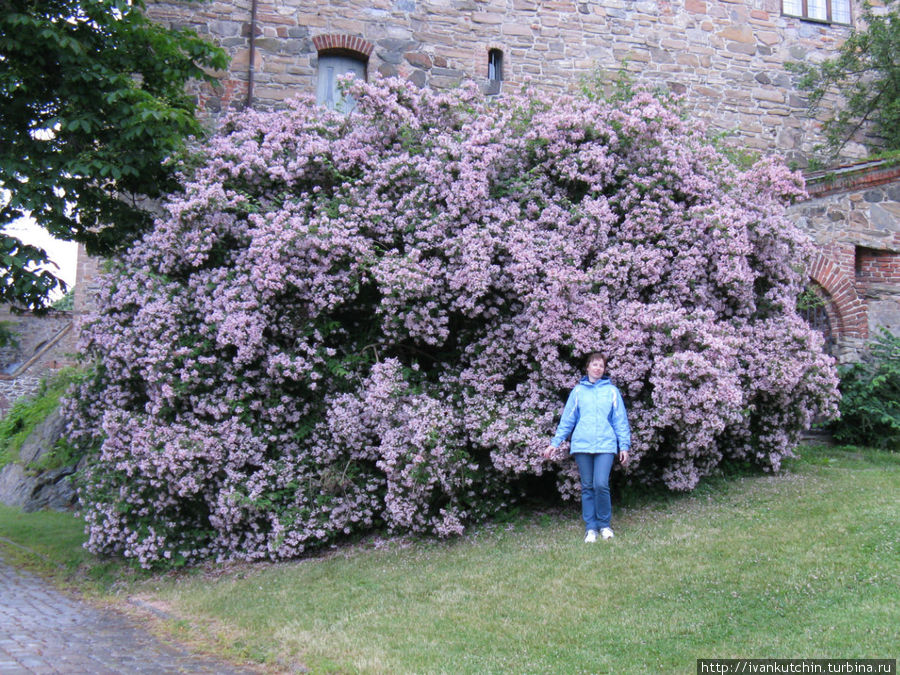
850, 311
350, 43
858, 176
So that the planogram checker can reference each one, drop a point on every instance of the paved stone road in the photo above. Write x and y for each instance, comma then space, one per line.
43, 631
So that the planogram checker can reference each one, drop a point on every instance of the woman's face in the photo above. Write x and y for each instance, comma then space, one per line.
595, 369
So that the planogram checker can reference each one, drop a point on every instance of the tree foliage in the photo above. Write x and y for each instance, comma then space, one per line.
866, 74
92, 104
351, 322
870, 401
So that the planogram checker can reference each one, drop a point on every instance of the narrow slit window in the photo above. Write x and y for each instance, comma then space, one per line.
495, 65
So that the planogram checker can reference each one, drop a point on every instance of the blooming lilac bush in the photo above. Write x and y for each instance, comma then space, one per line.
373, 320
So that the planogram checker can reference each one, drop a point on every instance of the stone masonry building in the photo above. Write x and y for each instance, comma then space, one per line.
726, 57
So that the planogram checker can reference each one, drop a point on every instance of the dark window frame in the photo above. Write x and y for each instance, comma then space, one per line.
494, 71
495, 65
804, 16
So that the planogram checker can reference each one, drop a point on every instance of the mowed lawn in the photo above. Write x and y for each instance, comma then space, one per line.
805, 564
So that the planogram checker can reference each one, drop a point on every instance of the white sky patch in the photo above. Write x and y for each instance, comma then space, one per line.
63, 253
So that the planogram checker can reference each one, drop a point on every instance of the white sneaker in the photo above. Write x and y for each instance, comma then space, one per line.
590, 537
607, 533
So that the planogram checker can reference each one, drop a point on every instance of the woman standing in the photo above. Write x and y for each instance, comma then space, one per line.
595, 416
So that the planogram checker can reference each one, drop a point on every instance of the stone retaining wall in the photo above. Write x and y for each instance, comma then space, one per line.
33, 336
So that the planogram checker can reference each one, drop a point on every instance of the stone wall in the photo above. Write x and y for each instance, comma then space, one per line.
854, 218
727, 57
43, 345
86, 278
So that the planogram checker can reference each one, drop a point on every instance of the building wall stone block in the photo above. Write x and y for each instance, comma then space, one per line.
694, 46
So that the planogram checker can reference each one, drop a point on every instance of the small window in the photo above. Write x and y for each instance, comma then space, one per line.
495, 65
331, 67
495, 71
828, 11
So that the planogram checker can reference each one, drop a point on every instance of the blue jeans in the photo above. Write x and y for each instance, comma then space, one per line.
596, 506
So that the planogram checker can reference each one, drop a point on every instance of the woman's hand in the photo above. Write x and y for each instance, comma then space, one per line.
623, 457
549, 451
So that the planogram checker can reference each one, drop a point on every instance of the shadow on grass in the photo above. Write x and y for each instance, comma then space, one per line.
546, 505
51, 543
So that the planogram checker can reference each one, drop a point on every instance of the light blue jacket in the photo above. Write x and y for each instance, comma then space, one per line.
595, 416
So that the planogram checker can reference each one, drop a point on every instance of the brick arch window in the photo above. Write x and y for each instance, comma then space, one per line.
817, 308
847, 312
339, 55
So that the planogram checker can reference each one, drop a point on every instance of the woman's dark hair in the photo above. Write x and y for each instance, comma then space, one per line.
594, 355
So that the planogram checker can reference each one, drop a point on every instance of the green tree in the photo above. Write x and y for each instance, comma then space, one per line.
870, 396
93, 101
866, 72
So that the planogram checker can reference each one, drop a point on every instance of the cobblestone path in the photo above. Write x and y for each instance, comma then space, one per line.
44, 631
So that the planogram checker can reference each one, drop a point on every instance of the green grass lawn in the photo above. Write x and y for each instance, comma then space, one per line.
804, 564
